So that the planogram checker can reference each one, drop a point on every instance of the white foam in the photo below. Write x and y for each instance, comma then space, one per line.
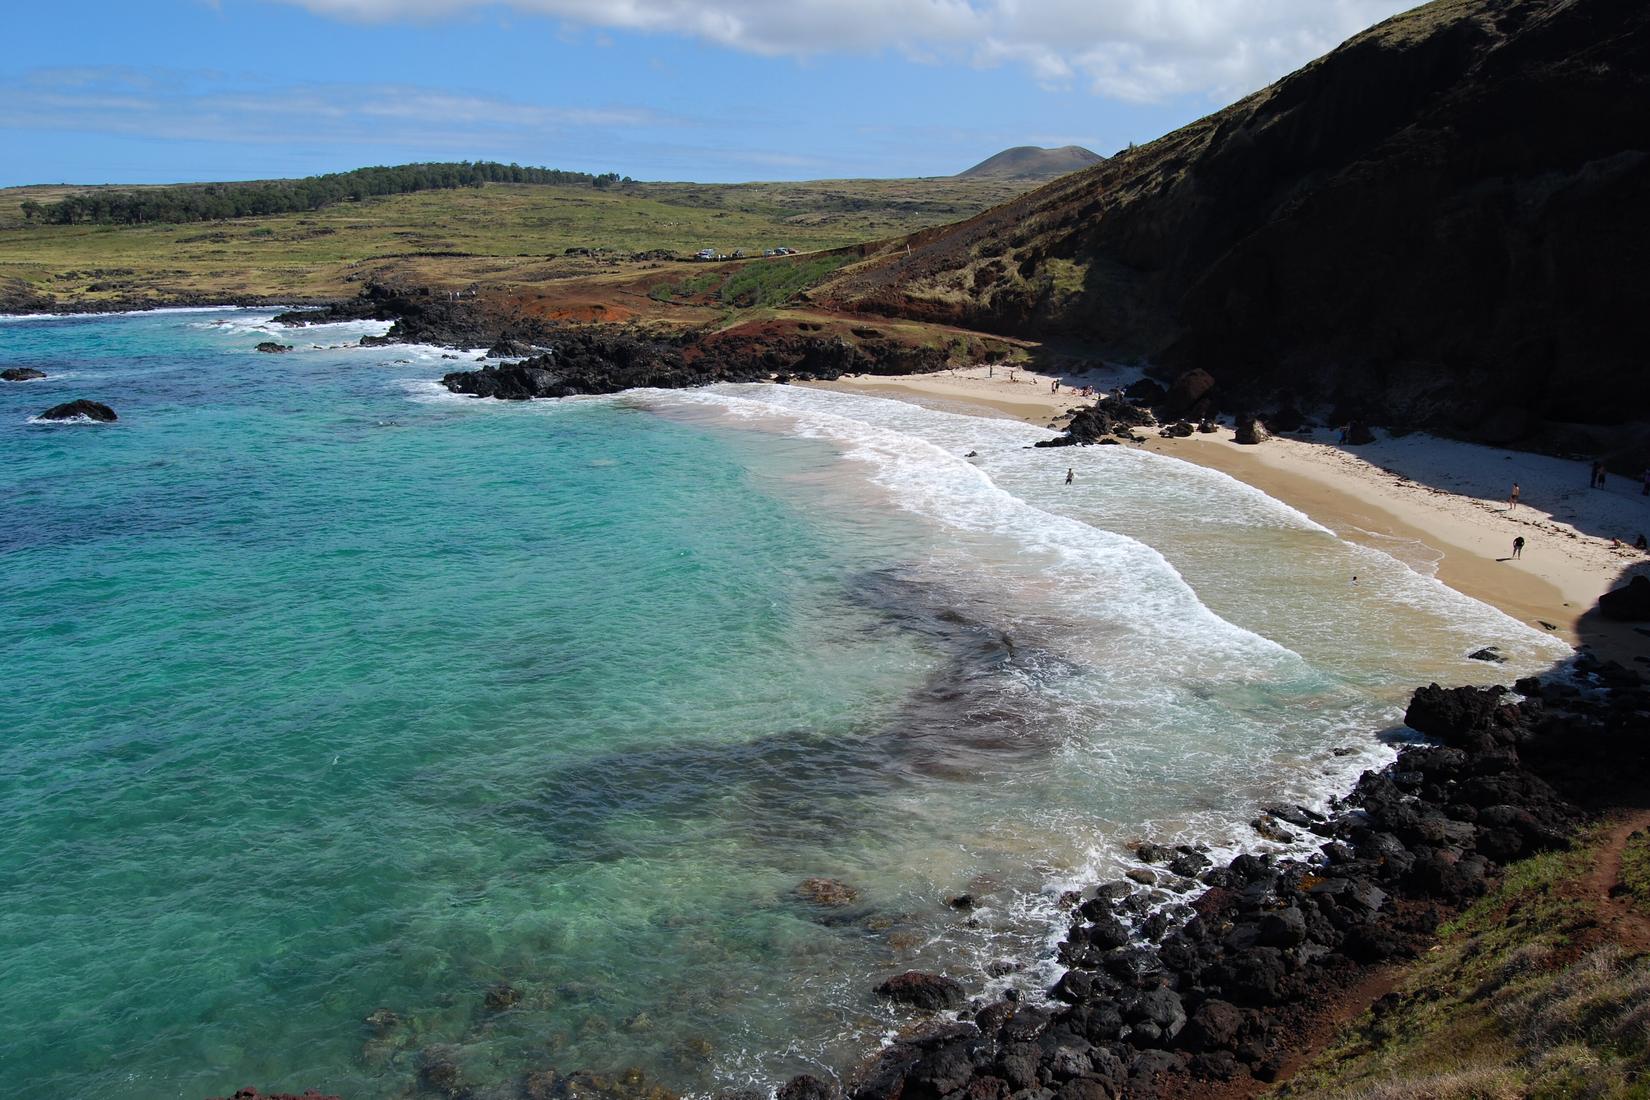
54, 422
94, 316
1137, 588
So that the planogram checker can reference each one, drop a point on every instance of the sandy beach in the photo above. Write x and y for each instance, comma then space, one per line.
1439, 505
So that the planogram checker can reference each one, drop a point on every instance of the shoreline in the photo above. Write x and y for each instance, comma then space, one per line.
1081, 1003
1345, 490
156, 305
1233, 991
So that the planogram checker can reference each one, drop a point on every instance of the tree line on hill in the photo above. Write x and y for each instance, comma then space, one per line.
214, 201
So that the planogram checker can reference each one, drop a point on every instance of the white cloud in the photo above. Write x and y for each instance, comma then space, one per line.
1137, 50
208, 106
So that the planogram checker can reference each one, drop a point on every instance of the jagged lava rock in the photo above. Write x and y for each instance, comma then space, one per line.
926, 991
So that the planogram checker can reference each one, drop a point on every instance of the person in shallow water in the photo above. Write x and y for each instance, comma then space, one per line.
1518, 547
1069, 475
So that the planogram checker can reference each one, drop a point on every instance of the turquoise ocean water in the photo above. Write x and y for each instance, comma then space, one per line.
327, 692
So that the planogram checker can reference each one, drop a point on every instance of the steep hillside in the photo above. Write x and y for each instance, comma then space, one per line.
1446, 221
1028, 162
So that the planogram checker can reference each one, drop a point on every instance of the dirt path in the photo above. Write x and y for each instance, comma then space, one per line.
1618, 920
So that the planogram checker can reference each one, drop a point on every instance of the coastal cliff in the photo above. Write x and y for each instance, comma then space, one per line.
1442, 223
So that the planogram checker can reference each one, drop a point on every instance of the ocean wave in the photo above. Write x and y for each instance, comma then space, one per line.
1134, 583
15, 317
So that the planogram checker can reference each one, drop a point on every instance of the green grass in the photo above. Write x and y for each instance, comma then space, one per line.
1635, 870
1516, 1001
775, 282
501, 234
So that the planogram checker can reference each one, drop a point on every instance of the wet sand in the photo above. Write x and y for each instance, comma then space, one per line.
1392, 496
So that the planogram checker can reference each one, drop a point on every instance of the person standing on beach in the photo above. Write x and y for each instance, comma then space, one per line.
1512, 500
1518, 546
1647, 481
1069, 475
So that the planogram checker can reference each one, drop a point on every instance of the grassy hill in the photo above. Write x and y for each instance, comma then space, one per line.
1028, 162
501, 234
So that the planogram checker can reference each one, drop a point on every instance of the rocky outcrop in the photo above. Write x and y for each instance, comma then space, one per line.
1216, 989
425, 315
1629, 603
511, 348
1190, 395
270, 347
21, 374
1250, 430
930, 992
613, 360
1099, 421
78, 409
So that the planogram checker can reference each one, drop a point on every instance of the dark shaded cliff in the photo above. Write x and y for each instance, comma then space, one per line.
1445, 222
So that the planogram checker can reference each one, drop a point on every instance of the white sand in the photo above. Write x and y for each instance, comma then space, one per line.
1438, 504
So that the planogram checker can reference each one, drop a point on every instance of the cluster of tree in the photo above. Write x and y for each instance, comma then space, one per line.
212, 201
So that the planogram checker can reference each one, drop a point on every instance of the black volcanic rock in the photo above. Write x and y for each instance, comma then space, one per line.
1189, 394
611, 360
919, 990
1629, 603
1449, 714
21, 374
1250, 431
70, 410
511, 348
1095, 422
272, 348
423, 315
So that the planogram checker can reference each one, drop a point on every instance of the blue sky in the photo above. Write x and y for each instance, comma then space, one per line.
101, 91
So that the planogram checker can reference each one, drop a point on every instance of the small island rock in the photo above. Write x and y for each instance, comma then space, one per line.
70, 410
21, 374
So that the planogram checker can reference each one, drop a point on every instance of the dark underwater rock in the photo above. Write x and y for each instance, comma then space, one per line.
827, 892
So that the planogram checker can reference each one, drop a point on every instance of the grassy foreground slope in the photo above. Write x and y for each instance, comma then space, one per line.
500, 234
1541, 989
